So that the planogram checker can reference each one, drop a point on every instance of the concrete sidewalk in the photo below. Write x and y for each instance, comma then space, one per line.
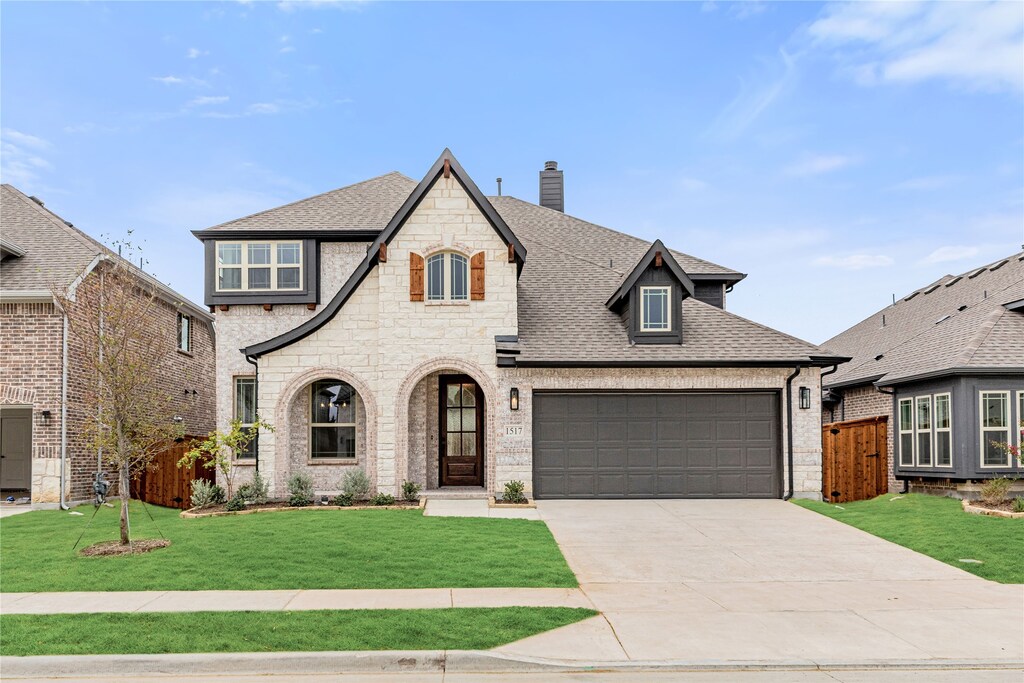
232, 601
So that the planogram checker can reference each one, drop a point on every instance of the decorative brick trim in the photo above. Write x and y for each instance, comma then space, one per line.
282, 464
10, 395
405, 391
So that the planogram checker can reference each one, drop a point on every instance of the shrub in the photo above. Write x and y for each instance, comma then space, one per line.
514, 492
382, 499
300, 490
1018, 504
355, 483
255, 491
343, 500
206, 493
410, 490
994, 491
236, 503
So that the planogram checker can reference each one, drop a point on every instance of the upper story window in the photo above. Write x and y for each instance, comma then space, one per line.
184, 333
447, 277
259, 266
655, 311
995, 428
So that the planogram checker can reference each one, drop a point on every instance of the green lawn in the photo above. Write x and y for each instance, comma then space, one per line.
939, 528
300, 549
166, 632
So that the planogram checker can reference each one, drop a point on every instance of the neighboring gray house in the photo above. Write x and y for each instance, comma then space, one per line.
946, 364
423, 331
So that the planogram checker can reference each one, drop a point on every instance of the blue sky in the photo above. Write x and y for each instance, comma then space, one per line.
836, 153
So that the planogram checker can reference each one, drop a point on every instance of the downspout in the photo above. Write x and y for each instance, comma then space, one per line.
256, 401
789, 428
832, 410
892, 392
64, 412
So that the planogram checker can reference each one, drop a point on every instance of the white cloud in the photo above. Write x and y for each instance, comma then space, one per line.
818, 164
757, 93
951, 253
286, 49
854, 261
974, 45
691, 184
204, 101
195, 53
178, 80
263, 108
344, 5
20, 160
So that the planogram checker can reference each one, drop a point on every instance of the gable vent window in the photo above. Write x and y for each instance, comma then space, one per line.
259, 266
655, 313
447, 277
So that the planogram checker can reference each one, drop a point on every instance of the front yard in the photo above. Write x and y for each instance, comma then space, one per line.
939, 528
322, 630
282, 550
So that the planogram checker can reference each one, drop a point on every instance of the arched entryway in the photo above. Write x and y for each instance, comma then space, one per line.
445, 430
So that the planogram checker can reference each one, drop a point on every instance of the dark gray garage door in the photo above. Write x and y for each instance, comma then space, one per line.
656, 445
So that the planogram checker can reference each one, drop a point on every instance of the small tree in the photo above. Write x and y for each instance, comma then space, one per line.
218, 449
127, 412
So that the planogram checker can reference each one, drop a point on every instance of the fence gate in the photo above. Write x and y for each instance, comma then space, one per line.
164, 483
854, 459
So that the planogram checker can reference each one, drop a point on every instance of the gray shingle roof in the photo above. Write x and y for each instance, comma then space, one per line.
926, 332
55, 252
568, 261
367, 205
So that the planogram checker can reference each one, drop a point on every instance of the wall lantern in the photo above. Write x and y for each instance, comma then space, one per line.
513, 398
805, 398
46, 416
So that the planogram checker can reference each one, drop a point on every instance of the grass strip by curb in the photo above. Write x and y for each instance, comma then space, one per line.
322, 630
299, 550
939, 528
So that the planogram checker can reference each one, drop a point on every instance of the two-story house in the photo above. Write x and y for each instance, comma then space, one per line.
44, 401
425, 332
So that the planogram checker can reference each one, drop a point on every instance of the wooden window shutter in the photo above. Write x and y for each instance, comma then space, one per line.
415, 277
476, 276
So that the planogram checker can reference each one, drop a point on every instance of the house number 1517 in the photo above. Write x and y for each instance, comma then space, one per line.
513, 431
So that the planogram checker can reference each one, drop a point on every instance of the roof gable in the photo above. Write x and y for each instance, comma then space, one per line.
655, 253
446, 165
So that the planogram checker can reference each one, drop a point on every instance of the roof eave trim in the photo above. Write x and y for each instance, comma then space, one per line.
363, 269
25, 296
643, 264
845, 384
746, 363
338, 234
952, 372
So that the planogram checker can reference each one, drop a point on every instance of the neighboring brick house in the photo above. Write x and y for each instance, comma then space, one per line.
426, 332
945, 364
42, 399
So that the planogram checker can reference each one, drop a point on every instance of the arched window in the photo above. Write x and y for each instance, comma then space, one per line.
332, 420
447, 277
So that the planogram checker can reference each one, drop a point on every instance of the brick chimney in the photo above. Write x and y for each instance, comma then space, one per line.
552, 187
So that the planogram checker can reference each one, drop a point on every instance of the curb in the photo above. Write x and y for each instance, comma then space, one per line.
456, 661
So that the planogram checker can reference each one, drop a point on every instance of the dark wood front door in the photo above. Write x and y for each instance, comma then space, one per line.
462, 431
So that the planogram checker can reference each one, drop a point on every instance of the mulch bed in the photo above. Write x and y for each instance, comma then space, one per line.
283, 505
107, 548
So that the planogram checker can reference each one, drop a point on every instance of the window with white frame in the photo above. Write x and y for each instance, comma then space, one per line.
259, 266
332, 420
923, 429
655, 311
447, 277
906, 428
184, 333
245, 411
1020, 419
943, 431
995, 428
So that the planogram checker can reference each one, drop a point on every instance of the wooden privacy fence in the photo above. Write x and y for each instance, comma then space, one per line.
854, 459
164, 483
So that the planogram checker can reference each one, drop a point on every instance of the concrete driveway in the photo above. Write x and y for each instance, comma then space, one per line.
766, 581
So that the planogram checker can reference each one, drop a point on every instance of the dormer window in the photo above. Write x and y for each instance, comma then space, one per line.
655, 309
447, 277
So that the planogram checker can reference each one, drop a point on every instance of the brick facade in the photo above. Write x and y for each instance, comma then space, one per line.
392, 350
31, 346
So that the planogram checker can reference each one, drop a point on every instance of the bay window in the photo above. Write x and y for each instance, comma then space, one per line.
923, 429
246, 266
943, 431
995, 428
906, 429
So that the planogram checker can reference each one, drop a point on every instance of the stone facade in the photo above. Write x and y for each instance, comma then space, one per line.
867, 401
392, 351
31, 346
